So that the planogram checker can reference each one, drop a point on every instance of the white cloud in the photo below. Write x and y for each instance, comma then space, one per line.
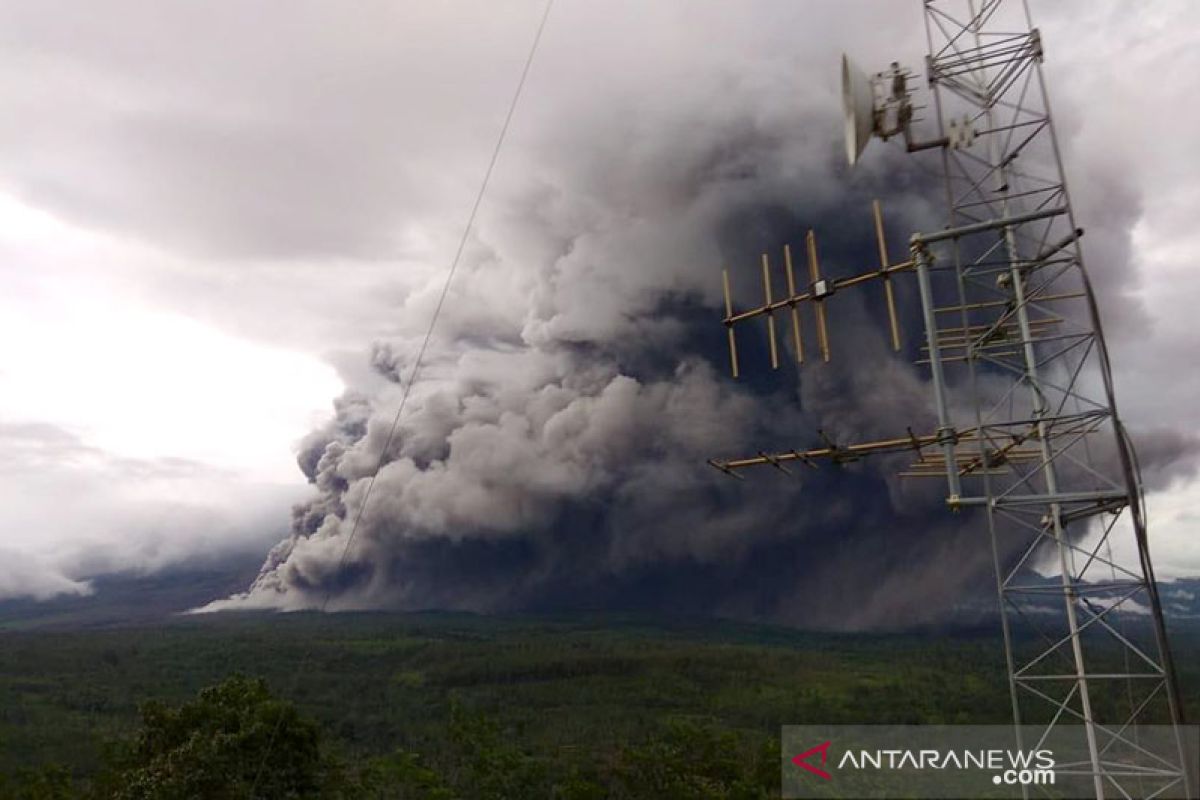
132, 436
25, 575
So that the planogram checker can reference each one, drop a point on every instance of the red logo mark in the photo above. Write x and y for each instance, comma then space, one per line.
801, 760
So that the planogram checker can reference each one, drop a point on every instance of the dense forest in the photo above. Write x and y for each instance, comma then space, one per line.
458, 706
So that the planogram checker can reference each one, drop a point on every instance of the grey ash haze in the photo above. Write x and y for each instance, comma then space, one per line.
297, 178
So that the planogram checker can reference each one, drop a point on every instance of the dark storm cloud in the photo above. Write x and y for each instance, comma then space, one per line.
546, 475
552, 454
550, 460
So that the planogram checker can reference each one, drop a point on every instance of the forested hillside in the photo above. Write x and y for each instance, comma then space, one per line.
580, 707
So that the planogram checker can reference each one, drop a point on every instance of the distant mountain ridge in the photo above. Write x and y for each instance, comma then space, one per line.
134, 599
131, 598
1180, 599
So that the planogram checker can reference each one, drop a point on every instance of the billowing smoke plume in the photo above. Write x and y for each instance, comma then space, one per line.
552, 455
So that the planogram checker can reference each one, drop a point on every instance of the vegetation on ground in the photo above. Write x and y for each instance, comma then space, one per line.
456, 706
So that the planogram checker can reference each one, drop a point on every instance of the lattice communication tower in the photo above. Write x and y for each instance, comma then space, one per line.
1028, 439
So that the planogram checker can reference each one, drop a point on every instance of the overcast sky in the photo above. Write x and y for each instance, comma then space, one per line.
211, 215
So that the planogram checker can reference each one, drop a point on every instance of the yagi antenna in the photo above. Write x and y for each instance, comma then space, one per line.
817, 293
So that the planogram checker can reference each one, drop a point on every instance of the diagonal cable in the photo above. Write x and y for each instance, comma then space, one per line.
416, 369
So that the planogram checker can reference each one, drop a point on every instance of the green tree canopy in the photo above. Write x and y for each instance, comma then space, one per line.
234, 742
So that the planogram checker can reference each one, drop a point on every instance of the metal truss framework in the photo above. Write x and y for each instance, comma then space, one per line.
1028, 440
